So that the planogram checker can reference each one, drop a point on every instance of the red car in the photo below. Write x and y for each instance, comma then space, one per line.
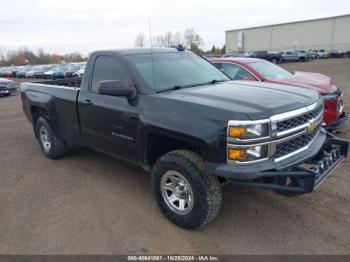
261, 70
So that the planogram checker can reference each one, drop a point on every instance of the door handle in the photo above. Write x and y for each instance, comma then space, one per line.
87, 102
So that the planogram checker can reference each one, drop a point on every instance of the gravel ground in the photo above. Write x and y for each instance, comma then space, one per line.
89, 203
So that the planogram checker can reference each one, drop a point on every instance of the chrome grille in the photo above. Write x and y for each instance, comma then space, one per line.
295, 144
299, 120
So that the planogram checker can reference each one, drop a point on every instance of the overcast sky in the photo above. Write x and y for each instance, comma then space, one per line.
64, 26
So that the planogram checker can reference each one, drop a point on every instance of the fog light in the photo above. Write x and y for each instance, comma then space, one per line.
237, 154
246, 154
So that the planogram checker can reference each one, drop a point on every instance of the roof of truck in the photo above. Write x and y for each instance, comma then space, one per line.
140, 50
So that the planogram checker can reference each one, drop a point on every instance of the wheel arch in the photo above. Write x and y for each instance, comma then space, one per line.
159, 143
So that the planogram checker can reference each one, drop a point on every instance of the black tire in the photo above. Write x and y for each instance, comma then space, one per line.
57, 147
274, 60
207, 193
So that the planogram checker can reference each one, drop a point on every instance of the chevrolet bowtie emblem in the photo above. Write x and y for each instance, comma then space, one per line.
311, 127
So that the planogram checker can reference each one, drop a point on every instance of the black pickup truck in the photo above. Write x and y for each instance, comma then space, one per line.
181, 119
273, 57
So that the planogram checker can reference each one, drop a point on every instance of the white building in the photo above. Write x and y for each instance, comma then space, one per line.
324, 33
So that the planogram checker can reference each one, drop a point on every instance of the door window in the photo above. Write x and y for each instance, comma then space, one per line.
236, 72
108, 68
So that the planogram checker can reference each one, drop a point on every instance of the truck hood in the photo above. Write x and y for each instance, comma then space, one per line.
241, 99
314, 81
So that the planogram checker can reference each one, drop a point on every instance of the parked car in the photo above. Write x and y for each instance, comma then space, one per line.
235, 55
64, 72
58, 70
48, 74
321, 53
6, 72
292, 56
2, 71
308, 56
7, 87
180, 118
14, 70
260, 70
22, 72
273, 57
30, 73
210, 56
40, 70
338, 53
80, 72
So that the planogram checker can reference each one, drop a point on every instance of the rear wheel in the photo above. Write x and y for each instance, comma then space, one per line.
274, 60
184, 191
51, 145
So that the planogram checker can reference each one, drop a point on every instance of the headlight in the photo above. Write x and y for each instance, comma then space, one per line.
247, 154
240, 130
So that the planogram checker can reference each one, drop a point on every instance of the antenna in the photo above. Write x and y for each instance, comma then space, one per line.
150, 32
150, 40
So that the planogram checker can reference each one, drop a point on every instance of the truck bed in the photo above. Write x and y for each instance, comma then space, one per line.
58, 98
71, 82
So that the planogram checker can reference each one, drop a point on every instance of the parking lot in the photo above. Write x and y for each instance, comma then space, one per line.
89, 203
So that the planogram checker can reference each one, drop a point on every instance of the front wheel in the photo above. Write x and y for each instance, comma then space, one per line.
184, 191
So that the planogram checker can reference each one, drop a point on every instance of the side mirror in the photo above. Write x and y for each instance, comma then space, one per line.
116, 88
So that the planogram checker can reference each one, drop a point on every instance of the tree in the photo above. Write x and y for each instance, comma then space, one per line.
43, 58
213, 49
168, 39
192, 39
177, 39
223, 49
140, 40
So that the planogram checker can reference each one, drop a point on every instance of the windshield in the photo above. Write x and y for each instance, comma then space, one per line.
175, 70
269, 70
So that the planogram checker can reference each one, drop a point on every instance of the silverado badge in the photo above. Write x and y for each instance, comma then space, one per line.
311, 127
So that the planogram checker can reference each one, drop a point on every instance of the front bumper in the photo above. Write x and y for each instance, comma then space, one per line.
302, 174
340, 122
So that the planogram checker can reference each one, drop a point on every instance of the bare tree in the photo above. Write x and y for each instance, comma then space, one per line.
165, 40
192, 39
159, 41
140, 40
168, 39
177, 38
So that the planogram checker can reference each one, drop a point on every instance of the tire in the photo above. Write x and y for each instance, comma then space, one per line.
51, 145
274, 60
203, 194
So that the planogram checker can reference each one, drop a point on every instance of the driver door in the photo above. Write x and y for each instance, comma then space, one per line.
109, 123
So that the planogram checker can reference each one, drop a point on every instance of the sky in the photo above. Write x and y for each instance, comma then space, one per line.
66, 26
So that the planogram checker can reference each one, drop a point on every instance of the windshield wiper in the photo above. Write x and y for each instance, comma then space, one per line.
214, 81
177, 87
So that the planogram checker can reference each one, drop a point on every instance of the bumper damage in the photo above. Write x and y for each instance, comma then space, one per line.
339, 123
297, 179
